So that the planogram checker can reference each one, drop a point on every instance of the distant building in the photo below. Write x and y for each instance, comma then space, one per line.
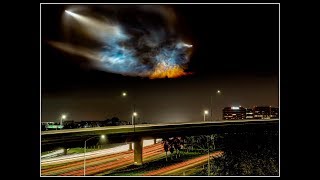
274, 112
230, 113
249, 113
45, 125
262, 112
258, 112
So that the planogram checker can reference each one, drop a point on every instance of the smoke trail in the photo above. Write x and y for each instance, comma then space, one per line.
135, 41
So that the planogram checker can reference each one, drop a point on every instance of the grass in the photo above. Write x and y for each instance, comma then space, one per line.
72, 151
46, 152
80, 150
155, 164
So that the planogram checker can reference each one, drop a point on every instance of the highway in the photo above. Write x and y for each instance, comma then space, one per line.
143, 126
98, 164
179, 167
106, 163
69, 138
79, 156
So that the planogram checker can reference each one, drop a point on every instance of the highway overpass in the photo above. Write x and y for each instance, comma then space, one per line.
128, 133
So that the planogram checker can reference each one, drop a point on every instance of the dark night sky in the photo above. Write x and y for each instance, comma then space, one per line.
235, 50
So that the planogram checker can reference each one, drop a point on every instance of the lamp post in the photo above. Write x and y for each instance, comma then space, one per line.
63, 116
206, 112
84, 154
218, 93
134, 114
208, 158
124, 94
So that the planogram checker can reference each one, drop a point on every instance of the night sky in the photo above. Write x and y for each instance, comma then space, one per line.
235, 50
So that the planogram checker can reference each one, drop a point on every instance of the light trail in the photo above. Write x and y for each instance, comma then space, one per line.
76, 157
101, 163
183, 165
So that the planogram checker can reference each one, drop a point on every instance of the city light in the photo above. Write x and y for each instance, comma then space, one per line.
84, 153
218, 91
124, 94
204, 115
234, 107
63, 116
135, 114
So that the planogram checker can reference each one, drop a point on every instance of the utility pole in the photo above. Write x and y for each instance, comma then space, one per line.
208, 157
134, 118
211, 108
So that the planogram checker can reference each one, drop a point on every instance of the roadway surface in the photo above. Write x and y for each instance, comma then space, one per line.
69, 138
93, 154
103, 164
99, 164
143, 127
183, 166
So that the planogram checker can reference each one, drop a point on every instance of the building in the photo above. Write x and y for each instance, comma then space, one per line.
230, 113
274, 113
258, 112
45, 125
249, 113
262, 112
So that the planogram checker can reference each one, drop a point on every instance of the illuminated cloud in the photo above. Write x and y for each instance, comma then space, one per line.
145, 43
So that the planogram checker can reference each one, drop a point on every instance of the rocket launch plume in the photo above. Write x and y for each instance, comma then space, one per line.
135, 41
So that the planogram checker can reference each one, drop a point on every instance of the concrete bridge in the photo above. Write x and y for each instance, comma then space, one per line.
128, 133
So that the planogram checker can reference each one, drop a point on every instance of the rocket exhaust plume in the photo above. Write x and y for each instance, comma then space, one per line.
135, 40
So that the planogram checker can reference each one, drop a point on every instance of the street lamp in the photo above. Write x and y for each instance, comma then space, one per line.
134, 114
84, 154
218, 93
206, 112
124, 94
63, 116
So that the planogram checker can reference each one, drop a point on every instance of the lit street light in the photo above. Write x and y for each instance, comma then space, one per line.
206, 112
84, 154
124, 94
134, 114
218, 93
63, 116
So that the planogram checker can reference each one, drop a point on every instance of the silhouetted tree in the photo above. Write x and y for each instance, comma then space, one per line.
171, 150
115, 121
166, 148
177, 146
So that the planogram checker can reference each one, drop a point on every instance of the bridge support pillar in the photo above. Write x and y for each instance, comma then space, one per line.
130, 146
138, 145
155, 141
65, 151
